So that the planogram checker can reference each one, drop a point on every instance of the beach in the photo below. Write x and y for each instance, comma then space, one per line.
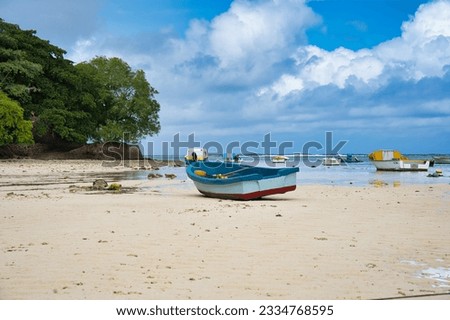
161, 239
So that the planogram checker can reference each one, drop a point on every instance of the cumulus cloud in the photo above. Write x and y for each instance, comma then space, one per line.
421, 51
268, 29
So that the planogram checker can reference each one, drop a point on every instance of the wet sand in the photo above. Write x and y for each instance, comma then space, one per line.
161, 239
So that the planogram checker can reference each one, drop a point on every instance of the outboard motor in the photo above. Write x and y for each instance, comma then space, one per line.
196, 154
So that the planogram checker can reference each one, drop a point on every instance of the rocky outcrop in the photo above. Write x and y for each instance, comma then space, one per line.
99, 184
111, 151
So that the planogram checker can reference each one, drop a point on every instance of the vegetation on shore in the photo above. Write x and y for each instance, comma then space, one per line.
48, 99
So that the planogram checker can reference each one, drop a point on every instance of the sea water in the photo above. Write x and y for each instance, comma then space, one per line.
357, 174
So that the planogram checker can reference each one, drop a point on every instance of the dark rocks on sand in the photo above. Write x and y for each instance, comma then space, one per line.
99, 184
154, 175
170, 176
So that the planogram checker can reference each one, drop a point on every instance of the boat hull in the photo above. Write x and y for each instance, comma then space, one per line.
249, 190
240, 182
402, 165
328, 162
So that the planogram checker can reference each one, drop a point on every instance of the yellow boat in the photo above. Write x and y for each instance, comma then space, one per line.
279, 159
393, 160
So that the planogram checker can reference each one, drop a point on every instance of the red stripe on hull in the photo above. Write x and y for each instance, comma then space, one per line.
406, 170
249, 196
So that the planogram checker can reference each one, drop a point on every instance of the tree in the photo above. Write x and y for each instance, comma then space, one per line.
35, 73
100, 100
13, 128
127, 109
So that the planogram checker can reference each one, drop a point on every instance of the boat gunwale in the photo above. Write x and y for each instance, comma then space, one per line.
239, 176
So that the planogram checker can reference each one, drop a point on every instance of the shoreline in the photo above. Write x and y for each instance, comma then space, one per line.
163, 240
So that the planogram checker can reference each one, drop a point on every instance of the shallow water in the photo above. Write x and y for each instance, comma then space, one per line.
364, 173
440, 275
357, 174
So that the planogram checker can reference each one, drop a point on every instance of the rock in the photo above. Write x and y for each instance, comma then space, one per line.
170, 175
99, 184
174, 163
154, 175
115, 187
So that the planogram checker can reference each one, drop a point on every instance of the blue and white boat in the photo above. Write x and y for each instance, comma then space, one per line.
228, 180
350, 158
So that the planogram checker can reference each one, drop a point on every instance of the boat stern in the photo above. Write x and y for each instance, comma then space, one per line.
196, 154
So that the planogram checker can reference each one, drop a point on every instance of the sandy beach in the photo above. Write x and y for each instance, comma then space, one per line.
161, 239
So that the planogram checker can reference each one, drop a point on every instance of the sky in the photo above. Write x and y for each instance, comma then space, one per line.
375, 73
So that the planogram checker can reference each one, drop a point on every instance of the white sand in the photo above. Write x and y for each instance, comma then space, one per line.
163, 240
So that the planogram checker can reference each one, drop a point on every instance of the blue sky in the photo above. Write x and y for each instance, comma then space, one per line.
375, 73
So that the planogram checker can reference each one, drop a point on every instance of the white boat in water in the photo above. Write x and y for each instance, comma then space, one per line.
331, 161
196, 154
393, 160
279, 159
349, 158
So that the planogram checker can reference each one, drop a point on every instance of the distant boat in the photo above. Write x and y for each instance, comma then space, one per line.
441, 159
436, 174
349, 158
393, 160
227, 180
331, 161
232, 158
279, 159
196, 154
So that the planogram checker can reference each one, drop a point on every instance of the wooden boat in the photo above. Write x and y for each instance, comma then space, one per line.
279, 159
331, 161
393, 160
240, 182
441, 159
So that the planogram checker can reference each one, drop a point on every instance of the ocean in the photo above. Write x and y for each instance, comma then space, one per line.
357, 174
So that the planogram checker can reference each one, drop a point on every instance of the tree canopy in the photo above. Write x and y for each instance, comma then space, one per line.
99, 100
128, 110
13, 128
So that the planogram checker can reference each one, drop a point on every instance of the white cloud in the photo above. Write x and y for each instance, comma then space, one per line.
421, 51
286, 84
320, 67
424, 46
431, 21
83, 50
250, 30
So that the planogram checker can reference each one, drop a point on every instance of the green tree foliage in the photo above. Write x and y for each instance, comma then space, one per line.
128, 110
102, 100
13, 128
17, 72
47, 86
